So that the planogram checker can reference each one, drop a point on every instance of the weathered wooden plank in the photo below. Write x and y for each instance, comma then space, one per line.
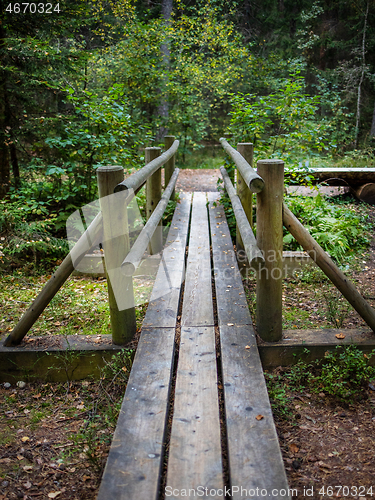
254, 455
197, 308
255, 459
230, 296
163, 306
135, 459
194, 450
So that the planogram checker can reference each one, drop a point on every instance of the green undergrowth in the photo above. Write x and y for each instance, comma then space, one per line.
35, 240
342, 377
341, 226
80, 306
206, 157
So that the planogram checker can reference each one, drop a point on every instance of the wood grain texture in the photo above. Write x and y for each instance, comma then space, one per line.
255, 459
366, 193
153, 195
170, 164
270, 242
230, 296
163, 306
116, 245
254, 255
195, 449
246, 149
252, 179
197, 308
254, 454
134, 462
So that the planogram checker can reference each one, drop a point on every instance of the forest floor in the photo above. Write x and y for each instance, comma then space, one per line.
55, 438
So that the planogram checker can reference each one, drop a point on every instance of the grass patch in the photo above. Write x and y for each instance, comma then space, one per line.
208, 157
80, 306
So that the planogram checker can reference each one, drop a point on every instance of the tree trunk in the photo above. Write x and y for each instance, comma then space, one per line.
4, 157
372, 131
163, 108
15, 166
358, 116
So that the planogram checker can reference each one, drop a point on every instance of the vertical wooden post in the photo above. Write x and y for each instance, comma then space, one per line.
170, 164
228, 136
153, 195
116, 246
270, 241
245, 195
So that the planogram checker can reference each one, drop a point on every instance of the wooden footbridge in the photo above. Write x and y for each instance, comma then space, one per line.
196, 412
196, 420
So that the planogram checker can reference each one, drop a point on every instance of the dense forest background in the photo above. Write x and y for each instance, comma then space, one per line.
94, 82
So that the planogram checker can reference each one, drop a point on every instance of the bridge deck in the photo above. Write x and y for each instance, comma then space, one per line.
196, 412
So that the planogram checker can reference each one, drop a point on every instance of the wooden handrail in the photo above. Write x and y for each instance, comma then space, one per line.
254, 182
133, 259
89, 239
254, 255
136, 180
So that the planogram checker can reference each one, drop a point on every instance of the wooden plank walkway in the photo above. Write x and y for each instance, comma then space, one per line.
196, 392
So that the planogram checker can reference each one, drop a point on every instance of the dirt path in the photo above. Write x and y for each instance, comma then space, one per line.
197, 180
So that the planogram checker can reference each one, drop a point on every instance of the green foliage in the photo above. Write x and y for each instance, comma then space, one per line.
340, 228
119, 366
277, 393
25, 237
102, 131
345, 373
338, 308
104, 411
281, 124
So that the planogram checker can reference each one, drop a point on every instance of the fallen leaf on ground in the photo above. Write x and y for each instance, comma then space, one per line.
259, 417
293, 448
54, 494
340, 336
247, 347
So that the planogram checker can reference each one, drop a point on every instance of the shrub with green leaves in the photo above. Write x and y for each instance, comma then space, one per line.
25, 236
283, 123
341, 229
345, 373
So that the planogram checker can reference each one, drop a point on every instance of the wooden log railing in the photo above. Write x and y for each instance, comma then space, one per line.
254, 255
110, 182
272, 214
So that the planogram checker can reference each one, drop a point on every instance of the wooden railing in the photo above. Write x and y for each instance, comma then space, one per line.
111, 185
265, 253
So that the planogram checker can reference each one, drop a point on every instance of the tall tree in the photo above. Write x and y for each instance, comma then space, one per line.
363, 68
163, 108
